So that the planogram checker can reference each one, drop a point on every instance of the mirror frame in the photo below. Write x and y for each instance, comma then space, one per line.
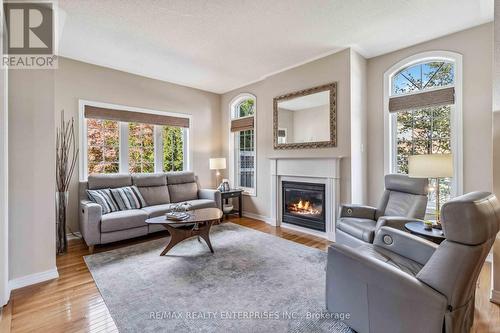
332, 87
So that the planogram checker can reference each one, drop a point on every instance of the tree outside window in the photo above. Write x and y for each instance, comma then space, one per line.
103, 141
173, 148
141, 148
424, 130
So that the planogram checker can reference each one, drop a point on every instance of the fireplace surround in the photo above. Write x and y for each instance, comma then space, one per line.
323, 171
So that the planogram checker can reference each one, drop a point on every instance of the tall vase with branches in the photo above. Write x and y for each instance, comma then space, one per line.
66, 158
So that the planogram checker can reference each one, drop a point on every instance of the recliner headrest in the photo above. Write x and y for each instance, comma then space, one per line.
403, 183
472, 218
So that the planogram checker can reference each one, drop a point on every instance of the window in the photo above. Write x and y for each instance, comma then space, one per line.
243, 152
141, 157
424, 117
173, 148
103, 138
122, 140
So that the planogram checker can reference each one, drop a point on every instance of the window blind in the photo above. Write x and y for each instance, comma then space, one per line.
421, 100
134, 117
242, 124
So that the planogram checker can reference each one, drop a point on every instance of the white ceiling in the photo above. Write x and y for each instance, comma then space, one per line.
220, 45
306, 102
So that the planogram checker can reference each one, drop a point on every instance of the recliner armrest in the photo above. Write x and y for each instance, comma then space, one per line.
396, 222
359, 211
90, 222
209, 194
405, 244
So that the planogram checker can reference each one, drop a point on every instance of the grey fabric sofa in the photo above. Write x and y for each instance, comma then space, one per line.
404, 200
402, 283
159, 190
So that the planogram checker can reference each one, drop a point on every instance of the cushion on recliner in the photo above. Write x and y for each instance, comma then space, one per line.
202, 203
155, 195
99, 181
157, 210
183, 192
402, 263
124, 219
399, 204
180, 177
363, 229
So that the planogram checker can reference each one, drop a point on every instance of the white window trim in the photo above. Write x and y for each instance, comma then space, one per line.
456, 115
83, 163
232, 159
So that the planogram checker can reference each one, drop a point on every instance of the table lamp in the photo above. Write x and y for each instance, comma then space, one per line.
431, 166
218, 163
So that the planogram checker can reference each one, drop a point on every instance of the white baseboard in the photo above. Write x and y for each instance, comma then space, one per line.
74, 235
28, 280
495, 296
257, 217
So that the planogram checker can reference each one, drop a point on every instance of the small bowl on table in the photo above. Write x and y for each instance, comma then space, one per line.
428, 225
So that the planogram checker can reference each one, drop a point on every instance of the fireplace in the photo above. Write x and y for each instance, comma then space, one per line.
303, 204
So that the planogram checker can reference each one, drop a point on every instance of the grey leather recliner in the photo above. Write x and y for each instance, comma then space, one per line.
403, 200
402, 283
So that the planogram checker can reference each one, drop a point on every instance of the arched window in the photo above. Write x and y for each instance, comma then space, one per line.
242, 143
423, 115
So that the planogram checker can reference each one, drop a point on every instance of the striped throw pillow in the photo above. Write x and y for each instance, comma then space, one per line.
128, 197
104, 199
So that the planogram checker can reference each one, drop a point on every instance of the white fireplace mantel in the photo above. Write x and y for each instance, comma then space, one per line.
318, 170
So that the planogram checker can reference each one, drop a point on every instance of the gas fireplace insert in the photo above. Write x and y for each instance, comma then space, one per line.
303, 204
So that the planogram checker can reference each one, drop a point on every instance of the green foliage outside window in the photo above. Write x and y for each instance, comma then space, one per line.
173, 149
141, 151
246, 108
103, 138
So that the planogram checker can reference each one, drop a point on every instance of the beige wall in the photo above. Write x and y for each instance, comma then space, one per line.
495, 283
331, 68
76, 80
475, 45
31, 172
311, 124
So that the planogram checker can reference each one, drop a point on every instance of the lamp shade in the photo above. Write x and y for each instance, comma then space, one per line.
218, 163
430, 166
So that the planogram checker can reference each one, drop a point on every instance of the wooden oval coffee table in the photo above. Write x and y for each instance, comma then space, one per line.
198, 224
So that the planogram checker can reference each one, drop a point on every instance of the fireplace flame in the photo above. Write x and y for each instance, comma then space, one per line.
303, 207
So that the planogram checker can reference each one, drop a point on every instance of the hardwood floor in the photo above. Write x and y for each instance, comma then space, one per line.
72, 302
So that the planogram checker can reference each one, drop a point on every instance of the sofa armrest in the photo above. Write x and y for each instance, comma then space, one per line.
405, 244
358, 211
90, 222
211, 195
372, 292
396, 222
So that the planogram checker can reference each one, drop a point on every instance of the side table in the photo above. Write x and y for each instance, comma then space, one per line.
417, 228
236, 193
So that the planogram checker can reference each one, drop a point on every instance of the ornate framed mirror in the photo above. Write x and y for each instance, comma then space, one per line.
306, 118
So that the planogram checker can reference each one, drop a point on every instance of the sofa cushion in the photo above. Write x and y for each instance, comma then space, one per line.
99, 181
103, 198
149, 179
157, 210
183, 192
202, 203
128, 197
124, 219
155, 195
180, 177
363, 229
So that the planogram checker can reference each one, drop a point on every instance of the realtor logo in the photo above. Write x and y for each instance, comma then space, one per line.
28, 35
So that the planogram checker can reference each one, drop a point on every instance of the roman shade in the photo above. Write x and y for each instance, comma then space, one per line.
421, 100
242, 124
134, 117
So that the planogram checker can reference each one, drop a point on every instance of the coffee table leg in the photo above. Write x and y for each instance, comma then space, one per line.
205, 234
176, 236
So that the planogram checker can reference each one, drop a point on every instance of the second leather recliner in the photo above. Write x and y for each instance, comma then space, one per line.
403, 200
